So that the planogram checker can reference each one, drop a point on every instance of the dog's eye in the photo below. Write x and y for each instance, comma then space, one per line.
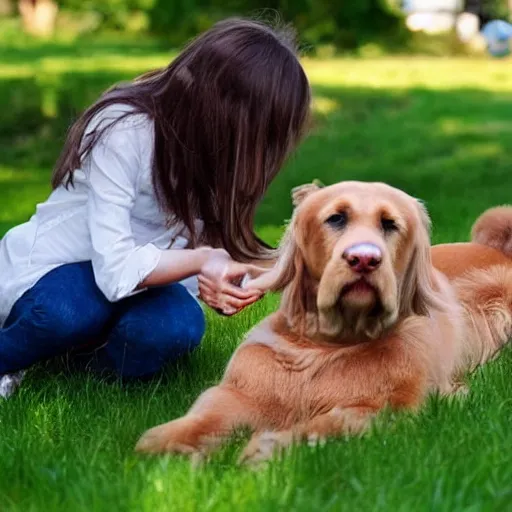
338, 220
388, 225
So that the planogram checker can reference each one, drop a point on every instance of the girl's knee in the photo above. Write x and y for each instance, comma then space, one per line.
66, 321
143, 346
168, 336
190, 330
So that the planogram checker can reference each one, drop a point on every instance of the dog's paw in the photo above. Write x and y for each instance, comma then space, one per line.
163, 439
262, 447
181, 437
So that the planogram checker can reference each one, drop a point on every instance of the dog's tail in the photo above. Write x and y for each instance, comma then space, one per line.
486, 294
494, 229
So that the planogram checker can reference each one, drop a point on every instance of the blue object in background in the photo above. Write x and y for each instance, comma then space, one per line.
498, 33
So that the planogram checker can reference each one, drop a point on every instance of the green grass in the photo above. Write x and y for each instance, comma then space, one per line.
439, 129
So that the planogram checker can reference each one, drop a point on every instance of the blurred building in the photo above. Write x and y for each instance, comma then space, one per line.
432, 16
437, 16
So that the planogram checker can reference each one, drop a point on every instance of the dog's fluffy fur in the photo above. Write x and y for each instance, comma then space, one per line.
335, 354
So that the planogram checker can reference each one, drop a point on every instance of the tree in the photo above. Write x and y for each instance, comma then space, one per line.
38, 16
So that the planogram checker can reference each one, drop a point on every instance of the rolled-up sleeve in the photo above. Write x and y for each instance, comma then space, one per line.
119, 264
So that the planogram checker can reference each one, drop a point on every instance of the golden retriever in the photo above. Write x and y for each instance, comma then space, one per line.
366, 321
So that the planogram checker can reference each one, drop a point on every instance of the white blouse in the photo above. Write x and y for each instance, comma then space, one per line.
109, 217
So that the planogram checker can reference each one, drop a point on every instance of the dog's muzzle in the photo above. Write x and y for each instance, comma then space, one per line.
363, 258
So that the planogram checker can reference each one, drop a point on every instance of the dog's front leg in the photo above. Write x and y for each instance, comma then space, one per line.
214, 416
338, 421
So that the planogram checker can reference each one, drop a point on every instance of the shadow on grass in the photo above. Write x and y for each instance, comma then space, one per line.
450, 148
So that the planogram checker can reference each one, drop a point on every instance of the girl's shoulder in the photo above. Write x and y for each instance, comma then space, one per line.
121, 118
121, 125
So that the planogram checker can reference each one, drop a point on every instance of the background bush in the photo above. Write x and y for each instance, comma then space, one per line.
344, 23
339, 24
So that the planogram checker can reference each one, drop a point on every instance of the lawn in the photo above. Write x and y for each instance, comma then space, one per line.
439, 129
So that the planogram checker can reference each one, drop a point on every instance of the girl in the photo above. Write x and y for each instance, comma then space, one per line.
153, 204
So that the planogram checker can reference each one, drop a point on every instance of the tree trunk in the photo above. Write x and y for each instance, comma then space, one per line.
6, 8
38, 16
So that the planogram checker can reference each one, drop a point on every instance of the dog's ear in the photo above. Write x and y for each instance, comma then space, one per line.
288, 264
291, 276
301, 192
418, 292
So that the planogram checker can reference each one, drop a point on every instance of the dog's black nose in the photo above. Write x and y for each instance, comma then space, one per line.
363, 258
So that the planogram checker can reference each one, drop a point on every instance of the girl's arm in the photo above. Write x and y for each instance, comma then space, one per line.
121, 267
219, 276
177, 264
112, 168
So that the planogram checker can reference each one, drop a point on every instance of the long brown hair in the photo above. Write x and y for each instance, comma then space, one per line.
227, 112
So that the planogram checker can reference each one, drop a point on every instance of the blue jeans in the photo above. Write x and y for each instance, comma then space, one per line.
65, 311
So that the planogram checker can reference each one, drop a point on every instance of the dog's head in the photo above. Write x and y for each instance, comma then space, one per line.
354, 259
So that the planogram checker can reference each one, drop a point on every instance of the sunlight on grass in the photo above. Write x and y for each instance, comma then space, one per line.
65, 65
480, 150
16, 71
324, 105
8, 174
103, 63
441, 74
457, 127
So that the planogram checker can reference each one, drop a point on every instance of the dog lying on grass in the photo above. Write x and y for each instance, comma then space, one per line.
370, 317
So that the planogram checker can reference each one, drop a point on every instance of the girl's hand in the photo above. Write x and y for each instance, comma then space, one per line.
219, 283
264, 280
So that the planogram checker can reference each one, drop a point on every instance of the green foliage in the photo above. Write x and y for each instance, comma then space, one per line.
495, 9
116, 14
344, 23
